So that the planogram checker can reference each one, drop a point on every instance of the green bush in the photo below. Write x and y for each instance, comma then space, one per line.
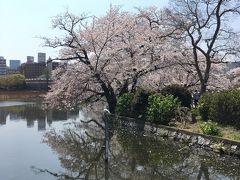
180, 92
133, 105
12, 82
210, 128
204, 104
225, 107
161, 109
124, 104
222, 107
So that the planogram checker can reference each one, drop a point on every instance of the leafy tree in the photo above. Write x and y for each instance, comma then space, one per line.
12, 82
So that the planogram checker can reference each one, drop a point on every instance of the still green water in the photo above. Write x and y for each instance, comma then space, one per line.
46, 144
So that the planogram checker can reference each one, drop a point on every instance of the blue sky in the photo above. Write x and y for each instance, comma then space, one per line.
21, 21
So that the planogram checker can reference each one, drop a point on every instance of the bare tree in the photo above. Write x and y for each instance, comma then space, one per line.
204, 27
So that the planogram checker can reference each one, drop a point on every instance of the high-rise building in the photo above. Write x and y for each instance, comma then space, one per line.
41, 57
51, 65
15, 64
32, 70
3, 66
30, 59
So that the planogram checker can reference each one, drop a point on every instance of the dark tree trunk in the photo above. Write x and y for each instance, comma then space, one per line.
203, 88
108, 93
134, 84
124, 88
204, 81
112, 102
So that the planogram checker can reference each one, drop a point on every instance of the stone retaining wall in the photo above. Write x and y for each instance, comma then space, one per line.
213, 143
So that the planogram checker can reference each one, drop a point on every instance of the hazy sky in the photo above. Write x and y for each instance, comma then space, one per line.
21, 21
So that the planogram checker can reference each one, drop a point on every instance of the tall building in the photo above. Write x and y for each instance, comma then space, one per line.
32, 70
15, 64
3, 66
41, 57
30, 59
51, 65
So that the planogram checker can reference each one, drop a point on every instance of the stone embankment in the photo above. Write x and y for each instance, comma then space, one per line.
213, 143
6, 95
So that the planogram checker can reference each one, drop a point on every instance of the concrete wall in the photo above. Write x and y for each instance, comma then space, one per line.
212, 143
38, 84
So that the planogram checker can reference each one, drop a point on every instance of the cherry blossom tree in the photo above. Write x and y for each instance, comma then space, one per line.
106, 56
234, 77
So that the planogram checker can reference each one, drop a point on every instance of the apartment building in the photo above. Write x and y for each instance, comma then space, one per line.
3, 66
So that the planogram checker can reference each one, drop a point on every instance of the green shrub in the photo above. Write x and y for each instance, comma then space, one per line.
221, 107
204, 104
124, 104
133, 105
225, 107
210, 128
180, 92
161, 109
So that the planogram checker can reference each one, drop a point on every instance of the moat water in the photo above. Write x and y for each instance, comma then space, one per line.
37, 144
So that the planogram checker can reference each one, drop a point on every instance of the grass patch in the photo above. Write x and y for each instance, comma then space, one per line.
227, 132
230, 133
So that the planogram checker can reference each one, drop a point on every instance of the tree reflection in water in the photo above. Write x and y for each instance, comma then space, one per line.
132, 155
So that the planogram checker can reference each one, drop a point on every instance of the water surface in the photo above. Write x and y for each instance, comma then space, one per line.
22, 126
39, 144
